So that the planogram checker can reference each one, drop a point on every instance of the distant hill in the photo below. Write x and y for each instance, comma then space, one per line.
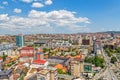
109, 32
115, 32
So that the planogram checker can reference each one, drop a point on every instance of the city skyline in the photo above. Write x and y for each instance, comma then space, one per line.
58, 16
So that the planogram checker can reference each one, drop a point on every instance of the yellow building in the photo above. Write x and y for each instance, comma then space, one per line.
77, 67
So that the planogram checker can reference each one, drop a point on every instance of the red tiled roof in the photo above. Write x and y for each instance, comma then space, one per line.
26, 55
39, 61
27, 48
0, 58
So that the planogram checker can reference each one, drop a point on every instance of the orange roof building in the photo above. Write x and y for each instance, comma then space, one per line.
78, 56
60, 66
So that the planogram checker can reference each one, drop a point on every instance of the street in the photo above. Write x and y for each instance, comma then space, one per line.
108, 73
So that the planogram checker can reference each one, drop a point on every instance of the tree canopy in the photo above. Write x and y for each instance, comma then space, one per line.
97, 61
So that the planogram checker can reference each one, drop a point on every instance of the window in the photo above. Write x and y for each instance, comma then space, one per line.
42, 78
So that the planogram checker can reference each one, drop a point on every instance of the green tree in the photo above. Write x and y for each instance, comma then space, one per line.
97, 61
118, 50
107, 50
60, 71
113, 60
4, 57
45, 50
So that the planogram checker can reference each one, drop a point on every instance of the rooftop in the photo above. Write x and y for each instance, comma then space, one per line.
42, 41
4, 74
57, 57
1, 58
39, 61
51, 68
33, 70
27, 48
60, 66
43, 72
26, 55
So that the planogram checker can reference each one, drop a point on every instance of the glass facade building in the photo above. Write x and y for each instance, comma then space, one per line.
87, 68
20, 40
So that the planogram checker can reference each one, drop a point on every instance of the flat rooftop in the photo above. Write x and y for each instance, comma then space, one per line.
5, 74
51, 68
44, 72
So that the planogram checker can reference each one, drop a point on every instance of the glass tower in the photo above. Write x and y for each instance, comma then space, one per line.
20, 40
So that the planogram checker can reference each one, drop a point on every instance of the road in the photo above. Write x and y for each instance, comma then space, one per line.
109, 73
106, 73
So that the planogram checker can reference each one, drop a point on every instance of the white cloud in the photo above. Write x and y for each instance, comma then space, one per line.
48, 2
37, 5
45, 22
4, 17
16, 10
36, 14
5, 3
27, 1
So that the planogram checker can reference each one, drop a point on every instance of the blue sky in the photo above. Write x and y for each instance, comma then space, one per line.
58, 16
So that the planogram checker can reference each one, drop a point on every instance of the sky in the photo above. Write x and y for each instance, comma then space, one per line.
58, 16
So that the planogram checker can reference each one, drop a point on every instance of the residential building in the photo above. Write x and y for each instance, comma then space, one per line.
26, 53
77, 67
59, 60
6, 75
61, 44
6, 49
86, 40
1, 64
53, 73
43, 74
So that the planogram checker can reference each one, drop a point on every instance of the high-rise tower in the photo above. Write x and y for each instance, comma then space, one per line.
20, 40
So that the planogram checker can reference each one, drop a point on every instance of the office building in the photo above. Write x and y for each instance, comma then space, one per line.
112, 36
20, 40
